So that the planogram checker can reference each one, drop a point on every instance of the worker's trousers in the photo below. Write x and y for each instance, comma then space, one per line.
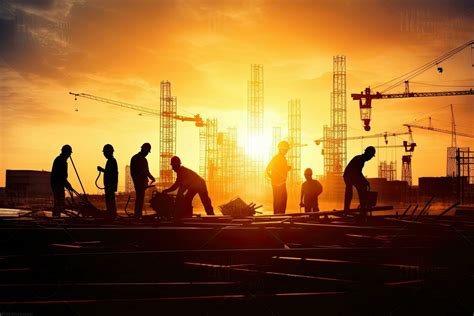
279, 198
311, 206
58, 200
361, 192
184, 201
110, 203
139, 198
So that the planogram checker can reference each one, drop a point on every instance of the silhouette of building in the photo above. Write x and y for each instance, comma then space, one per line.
28, 183
388, 170
168, 108
128, 180
294, 153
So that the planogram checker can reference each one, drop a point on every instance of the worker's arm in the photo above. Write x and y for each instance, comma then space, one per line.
301, 197
268, 172
152, 178
175, 185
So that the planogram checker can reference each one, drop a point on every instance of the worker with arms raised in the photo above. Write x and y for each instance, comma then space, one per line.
188, 183
353, 177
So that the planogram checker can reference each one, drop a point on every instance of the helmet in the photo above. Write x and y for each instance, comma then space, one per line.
283, 145
66, 149
108, 148
370, 150
146, 147
308, 171
175, 160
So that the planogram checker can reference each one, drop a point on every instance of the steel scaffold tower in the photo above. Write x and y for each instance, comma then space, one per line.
255, 123
294, 139
228, 164
276, 138
388, 170
339, 114
208, 149
168, 109
406, 169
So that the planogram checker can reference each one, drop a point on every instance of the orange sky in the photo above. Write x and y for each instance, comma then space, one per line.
123, 49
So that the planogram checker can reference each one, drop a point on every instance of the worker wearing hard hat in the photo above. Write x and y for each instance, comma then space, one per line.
140, 175
353, 177
277, 171
310, 190
188, 183
59, 179
110, 179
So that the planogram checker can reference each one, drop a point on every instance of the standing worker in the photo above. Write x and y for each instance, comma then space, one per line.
140, 175
277, 171
189, 183
310, 190
110, 179
353, 177
59, 179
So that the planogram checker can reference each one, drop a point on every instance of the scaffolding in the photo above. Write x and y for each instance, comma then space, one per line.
276, 139
128, 180
388, 170
406, 169
168, 107
255, 125
227, 179
208, 149
336, 143
294, 139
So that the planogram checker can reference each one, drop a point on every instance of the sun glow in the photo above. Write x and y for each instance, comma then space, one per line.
258, 147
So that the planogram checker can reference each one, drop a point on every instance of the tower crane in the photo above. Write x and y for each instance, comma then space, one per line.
365, 97
439, 130
197, 119
385, 135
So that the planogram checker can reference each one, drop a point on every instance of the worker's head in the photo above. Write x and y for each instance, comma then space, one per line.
369, 152
66, 151
108, 151
283, 147
175, 163
146, 148
308, 173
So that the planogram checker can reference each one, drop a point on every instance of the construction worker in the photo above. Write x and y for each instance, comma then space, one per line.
59, 179
277, 171
188, 183
140, 175
353, 177
110, 179
310, 190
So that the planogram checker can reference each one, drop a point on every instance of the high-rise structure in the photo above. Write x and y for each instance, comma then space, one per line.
128, 180
294, 153
276, 138
255, 165
168, 108
388, 170
406, 169
335, 145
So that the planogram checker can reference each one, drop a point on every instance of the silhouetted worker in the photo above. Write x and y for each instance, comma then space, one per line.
310, 190
110, 179
140, 175
59, 179
353, 177
188, 183
277, 170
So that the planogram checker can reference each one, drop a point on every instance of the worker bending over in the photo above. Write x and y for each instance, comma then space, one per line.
353, 177
188, 183
110, 179
310, 190
277, 171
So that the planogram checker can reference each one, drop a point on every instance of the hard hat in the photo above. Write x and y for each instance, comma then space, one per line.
370, 150
283, 145
175, 160
108, 147
146, 147
308, 171
66, 149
